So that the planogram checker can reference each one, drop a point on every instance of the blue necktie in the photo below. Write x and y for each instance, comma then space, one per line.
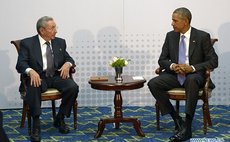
50, 61
181, 59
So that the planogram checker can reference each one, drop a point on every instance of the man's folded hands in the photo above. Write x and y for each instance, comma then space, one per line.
182, 68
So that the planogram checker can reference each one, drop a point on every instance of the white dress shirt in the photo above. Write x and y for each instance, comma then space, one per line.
43, 51
187, 41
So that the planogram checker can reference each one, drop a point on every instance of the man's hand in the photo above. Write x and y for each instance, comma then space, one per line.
178, 69
65, 70
35, 79
187, 68
182, 68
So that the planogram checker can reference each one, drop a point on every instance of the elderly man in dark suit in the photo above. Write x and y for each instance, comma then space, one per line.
186, 54
45, 60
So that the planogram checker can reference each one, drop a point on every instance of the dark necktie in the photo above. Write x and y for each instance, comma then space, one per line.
50, 61
181, 59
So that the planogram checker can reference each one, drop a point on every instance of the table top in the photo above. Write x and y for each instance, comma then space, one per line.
128, 83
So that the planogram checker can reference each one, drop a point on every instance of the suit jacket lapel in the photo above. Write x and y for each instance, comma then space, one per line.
176, 45
55, 48
37, 51
192, 42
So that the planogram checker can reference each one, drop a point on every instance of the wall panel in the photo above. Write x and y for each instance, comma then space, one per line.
97, 30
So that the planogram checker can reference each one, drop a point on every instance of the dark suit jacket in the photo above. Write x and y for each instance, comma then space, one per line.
201, 52
30, 54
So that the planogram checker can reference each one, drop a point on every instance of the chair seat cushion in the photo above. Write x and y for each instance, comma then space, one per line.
51, 92
181, 91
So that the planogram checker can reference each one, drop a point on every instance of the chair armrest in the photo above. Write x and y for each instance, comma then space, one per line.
22, 87
158, 70
207, 84
207, 78
72, 71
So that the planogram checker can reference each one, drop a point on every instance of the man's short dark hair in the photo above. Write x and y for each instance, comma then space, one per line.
184, 13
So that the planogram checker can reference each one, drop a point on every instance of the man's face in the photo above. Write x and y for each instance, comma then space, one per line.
179, 24
49, 31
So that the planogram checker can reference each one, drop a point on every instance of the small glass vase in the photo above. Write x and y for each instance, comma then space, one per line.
118, 71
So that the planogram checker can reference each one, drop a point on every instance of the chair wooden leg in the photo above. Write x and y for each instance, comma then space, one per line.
205, 118
53, 109
24, 112
208, 114
75, 114
157, 106
209, 117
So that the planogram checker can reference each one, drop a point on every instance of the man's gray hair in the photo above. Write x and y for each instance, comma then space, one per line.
184, 13
42, 22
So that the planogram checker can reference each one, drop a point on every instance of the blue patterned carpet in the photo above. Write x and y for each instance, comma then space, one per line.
88, 118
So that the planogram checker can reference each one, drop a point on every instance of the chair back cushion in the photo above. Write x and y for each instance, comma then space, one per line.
16, 44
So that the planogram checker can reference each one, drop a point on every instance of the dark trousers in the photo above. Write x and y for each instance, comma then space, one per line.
68, 88
166, 81
3, 136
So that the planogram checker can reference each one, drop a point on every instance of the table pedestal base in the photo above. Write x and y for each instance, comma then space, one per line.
135, 121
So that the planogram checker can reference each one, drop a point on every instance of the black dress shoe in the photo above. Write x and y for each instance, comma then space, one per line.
60, 124
183, 135
179, 124
35, 136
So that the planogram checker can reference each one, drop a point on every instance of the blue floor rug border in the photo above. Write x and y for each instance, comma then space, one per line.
88, 118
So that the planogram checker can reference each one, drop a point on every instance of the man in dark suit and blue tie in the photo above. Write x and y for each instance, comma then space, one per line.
183, 68
45, 60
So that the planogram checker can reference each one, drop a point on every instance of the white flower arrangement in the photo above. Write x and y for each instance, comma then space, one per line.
118, 62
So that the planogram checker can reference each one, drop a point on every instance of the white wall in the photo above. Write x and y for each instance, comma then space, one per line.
97, 30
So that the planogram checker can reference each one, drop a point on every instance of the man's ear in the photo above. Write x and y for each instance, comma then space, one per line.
42, 30
186, 21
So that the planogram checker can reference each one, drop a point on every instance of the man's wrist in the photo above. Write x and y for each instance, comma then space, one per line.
171, 66
28, 70
70, 64
193, 68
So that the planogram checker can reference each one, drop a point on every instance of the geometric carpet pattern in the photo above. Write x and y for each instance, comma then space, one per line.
88, 118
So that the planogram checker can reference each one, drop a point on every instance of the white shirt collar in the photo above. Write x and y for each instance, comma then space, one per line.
42, 41
187, 34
